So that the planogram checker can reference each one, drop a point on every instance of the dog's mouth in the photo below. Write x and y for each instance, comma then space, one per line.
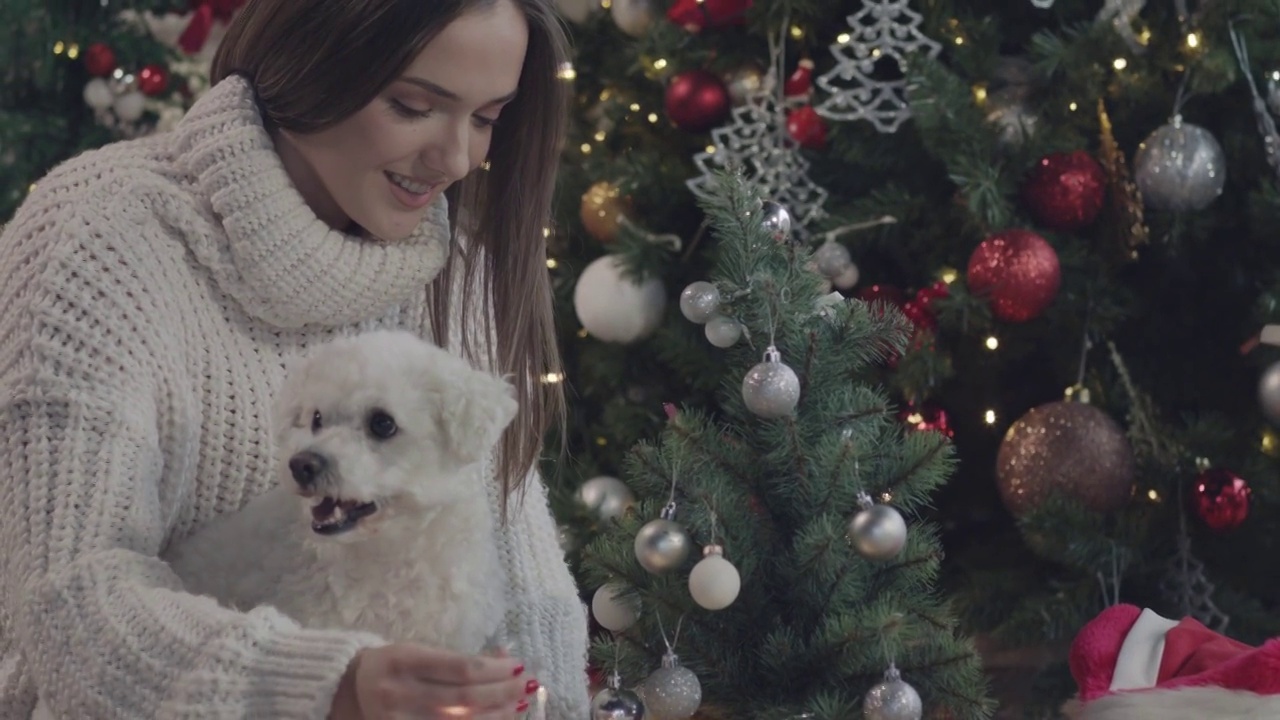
334, 516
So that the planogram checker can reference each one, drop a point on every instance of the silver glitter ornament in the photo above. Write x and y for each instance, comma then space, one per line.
1269, 393
615, 703
608, 497
700, 301
1179, 167
771, 389
776, 220
892, 699
672, 692
877, 532
723, 332
832, 258
661, 545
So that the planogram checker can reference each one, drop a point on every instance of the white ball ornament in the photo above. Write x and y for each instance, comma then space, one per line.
714, 582
614, 308
129, 106
633, 17
832, 258
98, 95
1269, 393
672, 692
723, 332
576, 10
771, 389
614, 612
847, 279
700, 301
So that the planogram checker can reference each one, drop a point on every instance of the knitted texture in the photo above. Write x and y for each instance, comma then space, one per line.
150, 293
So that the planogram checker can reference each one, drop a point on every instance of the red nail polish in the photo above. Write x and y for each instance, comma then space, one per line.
531, 687
524, 705
518, 671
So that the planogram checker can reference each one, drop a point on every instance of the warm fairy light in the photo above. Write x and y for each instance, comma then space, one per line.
1073, 106
566, 71
875, 52
606, 4
605, 94
546, 232
1270, 442
634, 107
659, 64
1144, 37
553, 378
600, 136
602, 441
1193, 40
797, 32
32, 188
552, 264
73, 51
711, 149
1153, 496
583, 333
1275, 75
993, 342
915, 418
653, 118
989, 417
959, 40
586, 148
59, 48
485, 165
948, 275
980, 93
843, 38
1120, 63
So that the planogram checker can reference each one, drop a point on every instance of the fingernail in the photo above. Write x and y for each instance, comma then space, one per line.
518, 671
531, 687
524, 705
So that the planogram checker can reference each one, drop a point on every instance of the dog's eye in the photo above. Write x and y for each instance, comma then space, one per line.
316, 423
382, 425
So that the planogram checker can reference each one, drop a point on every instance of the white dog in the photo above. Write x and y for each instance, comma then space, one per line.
380, 520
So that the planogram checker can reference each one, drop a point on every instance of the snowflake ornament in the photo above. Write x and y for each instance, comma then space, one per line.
883, 30
756, 143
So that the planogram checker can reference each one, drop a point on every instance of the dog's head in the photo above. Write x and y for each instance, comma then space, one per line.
380, 426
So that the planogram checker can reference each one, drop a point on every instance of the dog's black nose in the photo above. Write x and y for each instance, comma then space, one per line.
306, 466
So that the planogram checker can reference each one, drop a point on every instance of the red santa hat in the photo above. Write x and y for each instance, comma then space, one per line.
1134, 664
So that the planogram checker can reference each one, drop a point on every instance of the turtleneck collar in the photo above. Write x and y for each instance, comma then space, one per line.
272, 254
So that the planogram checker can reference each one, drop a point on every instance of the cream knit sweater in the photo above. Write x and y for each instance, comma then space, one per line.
148, 294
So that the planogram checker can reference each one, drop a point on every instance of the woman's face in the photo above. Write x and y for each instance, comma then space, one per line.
383, 166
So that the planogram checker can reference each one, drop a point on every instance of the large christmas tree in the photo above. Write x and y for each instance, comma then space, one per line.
82, 73
1074, 203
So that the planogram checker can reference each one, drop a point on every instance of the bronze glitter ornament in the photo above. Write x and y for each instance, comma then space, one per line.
1065, 447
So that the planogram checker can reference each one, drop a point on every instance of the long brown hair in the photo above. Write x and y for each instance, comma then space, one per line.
314, 63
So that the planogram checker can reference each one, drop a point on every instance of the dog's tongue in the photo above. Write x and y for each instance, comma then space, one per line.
325, 509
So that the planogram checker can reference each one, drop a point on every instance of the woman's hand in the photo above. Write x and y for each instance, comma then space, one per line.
399, 682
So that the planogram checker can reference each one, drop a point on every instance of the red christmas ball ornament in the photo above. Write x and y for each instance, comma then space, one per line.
99, 59
807, 127
697, 100
919, 315
1065, 191
153, 80
1018, 272
1221, 499
927, 418
697, 15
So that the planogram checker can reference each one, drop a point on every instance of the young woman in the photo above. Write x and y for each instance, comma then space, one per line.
358, 164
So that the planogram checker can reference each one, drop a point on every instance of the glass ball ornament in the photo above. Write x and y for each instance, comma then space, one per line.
771, 389
1269, 393
832, 258
723, 332
616, 704
613, 307
1179, 167
612, 609
878, 532
633, 17
776, 219
892, 699
1221, 499
607, 497
661, 546
714, 582
672, 692
700, 301
848, 278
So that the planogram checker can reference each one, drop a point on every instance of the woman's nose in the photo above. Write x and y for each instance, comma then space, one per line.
451, 151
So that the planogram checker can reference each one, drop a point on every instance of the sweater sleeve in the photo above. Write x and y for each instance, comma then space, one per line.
97, 624
548, 620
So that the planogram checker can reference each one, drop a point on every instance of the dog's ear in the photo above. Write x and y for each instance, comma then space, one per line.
286, 406
474, 412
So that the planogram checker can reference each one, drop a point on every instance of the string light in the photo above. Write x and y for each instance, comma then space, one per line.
73, 51
1144, 37
989, 417
980, 93
1120, 63
606, 4
1193, 40
1153, 496
586, 148
546, 232
948, 275
797, 32
583, 333
1073, 106
634, 107
959, 40
653, 118
59, 48
993, 342
711, 148
843, 38
566, 71
600, 136
1270, 442
659, 64
552, 264
602, 441
552, 378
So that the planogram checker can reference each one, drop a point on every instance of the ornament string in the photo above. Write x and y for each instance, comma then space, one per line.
669, 240
1180, 97
669, 510
835, 234
675, 639
1266, 125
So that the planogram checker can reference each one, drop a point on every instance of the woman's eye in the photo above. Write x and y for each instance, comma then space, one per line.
405, 111
484, 122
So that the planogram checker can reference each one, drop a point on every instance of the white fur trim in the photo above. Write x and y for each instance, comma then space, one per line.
1138, 664
1193, 703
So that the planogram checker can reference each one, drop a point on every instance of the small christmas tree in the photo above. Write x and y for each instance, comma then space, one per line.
764, 568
